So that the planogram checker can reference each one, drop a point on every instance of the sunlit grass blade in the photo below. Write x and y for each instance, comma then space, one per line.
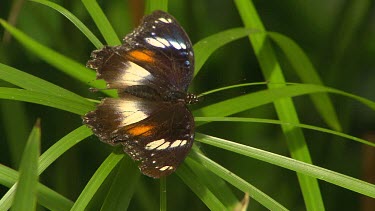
30, 82
307, 73
45, 99
96, 181
73, 19
56, 150
205, 47
272, 121
307, 169
46, 197
101, 22
252, 100
199, 159
63, 63
152, 5
7, 199
217, 186
199, 188
284, 108
123, 186
61, 146
25, 195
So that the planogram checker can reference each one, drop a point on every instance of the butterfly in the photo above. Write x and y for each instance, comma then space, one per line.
151, 71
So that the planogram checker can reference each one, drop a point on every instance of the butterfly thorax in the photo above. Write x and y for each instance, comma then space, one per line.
152, 94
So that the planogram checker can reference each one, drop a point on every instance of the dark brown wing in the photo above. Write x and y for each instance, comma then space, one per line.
158, 54
157, 134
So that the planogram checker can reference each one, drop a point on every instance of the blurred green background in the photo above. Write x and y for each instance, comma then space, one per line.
338, 36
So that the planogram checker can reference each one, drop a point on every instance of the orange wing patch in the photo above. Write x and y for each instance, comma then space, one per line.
143, 55
141, 130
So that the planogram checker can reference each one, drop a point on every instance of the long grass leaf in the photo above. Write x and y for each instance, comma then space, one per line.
73, 19
236, 181
46, 197
204, 48
96, 181
25, 196
307, 169
45, 99
101, 22
307, 73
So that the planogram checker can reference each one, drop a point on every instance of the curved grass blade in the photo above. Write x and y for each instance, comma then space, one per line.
122, 187
205, 47
307, 169
54, 152
101, 22
72, 19
25, 195
200, 160
66, 65
245, 102
307, 73
284, 108
46, 197
32, 83
214, 183
45, 99
96, 180
199, 188
272, 121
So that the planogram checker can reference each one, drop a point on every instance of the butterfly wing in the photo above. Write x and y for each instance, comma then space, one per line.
158, 135
157, 54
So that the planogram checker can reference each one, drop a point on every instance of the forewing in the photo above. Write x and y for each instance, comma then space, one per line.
158, 135
158, 53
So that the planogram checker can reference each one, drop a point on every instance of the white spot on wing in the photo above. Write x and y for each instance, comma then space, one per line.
131, 111
166, 168
154, 42
165, 20
176, 143
183, 142
175, 44
154, 144
163, 41
183, 46
135, 75
164, 146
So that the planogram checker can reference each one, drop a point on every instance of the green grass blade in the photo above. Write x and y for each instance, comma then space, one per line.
252, 100
214, 183
152, 5
73, 19
123, 186
199, 188
163, 194
25, 195
45, 99
96, 181
66, 65
284, 108
307, 73
54, 152
101, 22
7, 200
30, 82
61, 146
46, 197
256, 194
307, 169
205, 47
272, 121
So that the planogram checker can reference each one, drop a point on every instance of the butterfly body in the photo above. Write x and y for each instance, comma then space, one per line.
151, 71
